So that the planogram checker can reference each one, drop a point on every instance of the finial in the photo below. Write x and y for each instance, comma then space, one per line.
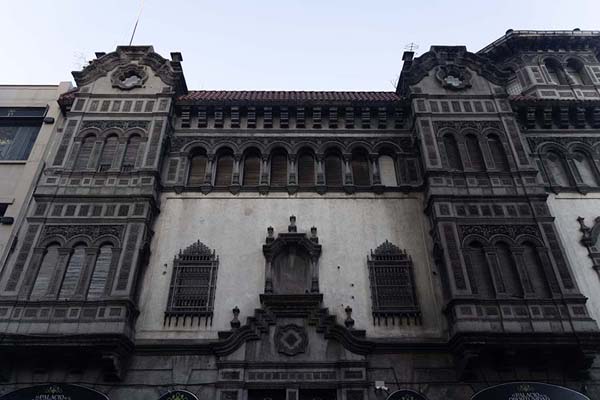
583, 226
349, 322
270, 237
313, 234
292, 226
235, 322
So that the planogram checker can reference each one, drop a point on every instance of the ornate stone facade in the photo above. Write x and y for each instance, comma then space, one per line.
423, 238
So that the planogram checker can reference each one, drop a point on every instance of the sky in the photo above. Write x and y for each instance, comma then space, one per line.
266, 44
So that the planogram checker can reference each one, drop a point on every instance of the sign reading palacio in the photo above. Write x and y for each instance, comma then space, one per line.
528, 391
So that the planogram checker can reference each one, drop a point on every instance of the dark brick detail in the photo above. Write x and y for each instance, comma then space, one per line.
64, 144
454, 256
429, 142
130, 248
558, 256
513, 133
154, 141
17, 270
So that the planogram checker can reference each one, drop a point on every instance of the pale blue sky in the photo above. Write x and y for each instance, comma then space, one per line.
266, 45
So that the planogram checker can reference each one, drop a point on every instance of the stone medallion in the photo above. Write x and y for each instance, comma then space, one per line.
291, 339
453, 77
129, 76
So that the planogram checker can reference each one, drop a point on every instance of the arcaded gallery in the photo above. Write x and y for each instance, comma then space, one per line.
439, 242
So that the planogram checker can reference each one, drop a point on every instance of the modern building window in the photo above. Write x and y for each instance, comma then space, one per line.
46, 272
251, 172
452, 153
392, 283
19, 128
108, 152
474, 151
193, 283
360, 169
85, 151
224, 169
101, 270
306, 170
73, 273
387, 171
497, 152
279, 168
333, 170
197, 170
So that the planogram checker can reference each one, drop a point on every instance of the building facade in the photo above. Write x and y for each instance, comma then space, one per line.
247, 245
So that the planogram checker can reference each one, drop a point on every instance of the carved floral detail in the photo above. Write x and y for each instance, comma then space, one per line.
109, 124
453, 76
92, 231
488, 231
291, 339
129, 76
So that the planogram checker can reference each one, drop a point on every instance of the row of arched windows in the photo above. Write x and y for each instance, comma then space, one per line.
570, 73
61, 271
493, 271
280, 170
472, 156
108, 153
568, 170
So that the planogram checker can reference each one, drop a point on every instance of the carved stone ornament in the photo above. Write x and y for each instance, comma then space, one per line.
92, 231
453, 77
291, 339
129, 76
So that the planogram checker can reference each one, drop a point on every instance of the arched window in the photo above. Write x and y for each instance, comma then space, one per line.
279, 168
73, 273
251, 170
555, 71
108, 152
306, 169
131, 152
508, 271
585, 169
85, 151
557, 172
46, 272
452, 153
535, 271
479, 271
497, 152
333, 170
576, 72
387, 170
197, 169
360, 169
474, 152
224, 169
100, 275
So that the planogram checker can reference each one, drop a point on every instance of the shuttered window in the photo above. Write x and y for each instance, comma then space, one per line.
360, 170
108, 153
251, 170
474, 153
224, 170
497, 152
333, 170
387, 171
73, 273
306, 170
508, 270
46, 272
452, 153
131, 152
100, 275
279, 169
84, 152
197, 170
478, 271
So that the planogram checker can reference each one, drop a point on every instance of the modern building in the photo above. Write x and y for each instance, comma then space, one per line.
432, 242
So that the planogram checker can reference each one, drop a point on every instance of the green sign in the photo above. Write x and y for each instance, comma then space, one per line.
528, 391
178, 395
55, 391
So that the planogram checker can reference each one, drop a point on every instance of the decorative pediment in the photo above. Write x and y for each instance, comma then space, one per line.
196, 250
451, 60
129, 59
308, 243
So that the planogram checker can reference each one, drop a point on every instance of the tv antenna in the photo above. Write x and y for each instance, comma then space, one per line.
136, 22
411, 46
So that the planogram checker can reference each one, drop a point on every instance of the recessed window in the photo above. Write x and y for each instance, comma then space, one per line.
19, 128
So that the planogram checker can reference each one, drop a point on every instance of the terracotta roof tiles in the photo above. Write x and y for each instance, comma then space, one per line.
276, 96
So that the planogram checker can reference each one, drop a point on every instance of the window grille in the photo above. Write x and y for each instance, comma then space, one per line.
392, 286
193, 284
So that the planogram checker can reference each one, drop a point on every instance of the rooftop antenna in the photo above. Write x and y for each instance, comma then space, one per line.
136, 22
411, 47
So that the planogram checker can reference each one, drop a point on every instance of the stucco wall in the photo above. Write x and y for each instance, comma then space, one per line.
566, 207
235, 226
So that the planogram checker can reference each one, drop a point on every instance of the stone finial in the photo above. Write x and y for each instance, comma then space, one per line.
313, 234
349, 322
235, 322
292, 226
270, 237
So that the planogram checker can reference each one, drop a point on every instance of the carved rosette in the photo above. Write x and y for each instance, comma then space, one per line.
291, 339
453, 77
129, 77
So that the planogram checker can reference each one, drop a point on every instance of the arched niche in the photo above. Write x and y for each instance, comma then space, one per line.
292, 261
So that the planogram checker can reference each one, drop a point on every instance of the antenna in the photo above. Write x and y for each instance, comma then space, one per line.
136, 22
411, 46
